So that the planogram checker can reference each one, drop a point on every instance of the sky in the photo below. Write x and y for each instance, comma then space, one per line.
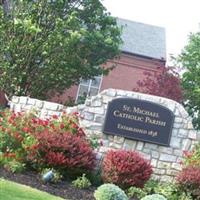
178, 17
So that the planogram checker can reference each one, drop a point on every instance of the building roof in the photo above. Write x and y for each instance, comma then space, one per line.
143, 39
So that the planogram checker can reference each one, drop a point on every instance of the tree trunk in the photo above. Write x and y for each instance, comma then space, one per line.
6, 6
3, 100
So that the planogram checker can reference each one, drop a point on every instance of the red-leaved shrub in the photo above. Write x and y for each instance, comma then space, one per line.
189, 180
125, 168
164, 82
57, 142
64, 151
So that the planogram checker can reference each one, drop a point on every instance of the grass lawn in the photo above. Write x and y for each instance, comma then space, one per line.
13, 191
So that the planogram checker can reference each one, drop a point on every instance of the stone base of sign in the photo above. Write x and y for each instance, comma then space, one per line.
166, 161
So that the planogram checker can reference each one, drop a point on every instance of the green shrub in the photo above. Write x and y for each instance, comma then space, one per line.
172, 192
82, 182
154, 197
95, 177
109, 192
150, 186
182, 196
136, 193
14, 166
165, 189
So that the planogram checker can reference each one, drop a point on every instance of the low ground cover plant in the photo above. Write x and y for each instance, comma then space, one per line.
150, 186
59, 145
171, 191
82, 182
126, 169
134, 192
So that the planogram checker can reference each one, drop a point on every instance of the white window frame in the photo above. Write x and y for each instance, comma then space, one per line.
89, 86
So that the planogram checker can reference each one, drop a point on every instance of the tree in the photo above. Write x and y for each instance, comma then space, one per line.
190, 60
165, 83
49, 45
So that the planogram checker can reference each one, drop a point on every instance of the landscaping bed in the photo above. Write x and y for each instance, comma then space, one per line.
47, 154
63, 189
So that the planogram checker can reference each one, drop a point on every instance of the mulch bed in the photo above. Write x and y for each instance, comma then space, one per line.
63, 189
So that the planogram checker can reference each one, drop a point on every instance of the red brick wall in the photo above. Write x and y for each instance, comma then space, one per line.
129, 69
64, 98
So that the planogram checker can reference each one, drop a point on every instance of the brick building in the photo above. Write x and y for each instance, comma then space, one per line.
143, 49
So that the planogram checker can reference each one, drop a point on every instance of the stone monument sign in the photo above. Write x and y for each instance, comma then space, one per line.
159, 128
139, 120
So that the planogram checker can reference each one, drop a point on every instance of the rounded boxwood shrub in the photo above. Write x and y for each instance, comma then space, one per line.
154, 197
126, 169
109, 192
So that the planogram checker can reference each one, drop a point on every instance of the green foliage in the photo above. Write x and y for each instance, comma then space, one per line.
95, 177
14, 166
82, 99
47, 46
190, 60
82, 182
136, 192
1, 108
182, 196
150, 186
165, 189
172, 192
154, 197
193, 157
169, 190
95, 142
109, 192
57, 176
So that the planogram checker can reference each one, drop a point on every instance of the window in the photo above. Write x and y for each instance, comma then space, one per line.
88, 88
